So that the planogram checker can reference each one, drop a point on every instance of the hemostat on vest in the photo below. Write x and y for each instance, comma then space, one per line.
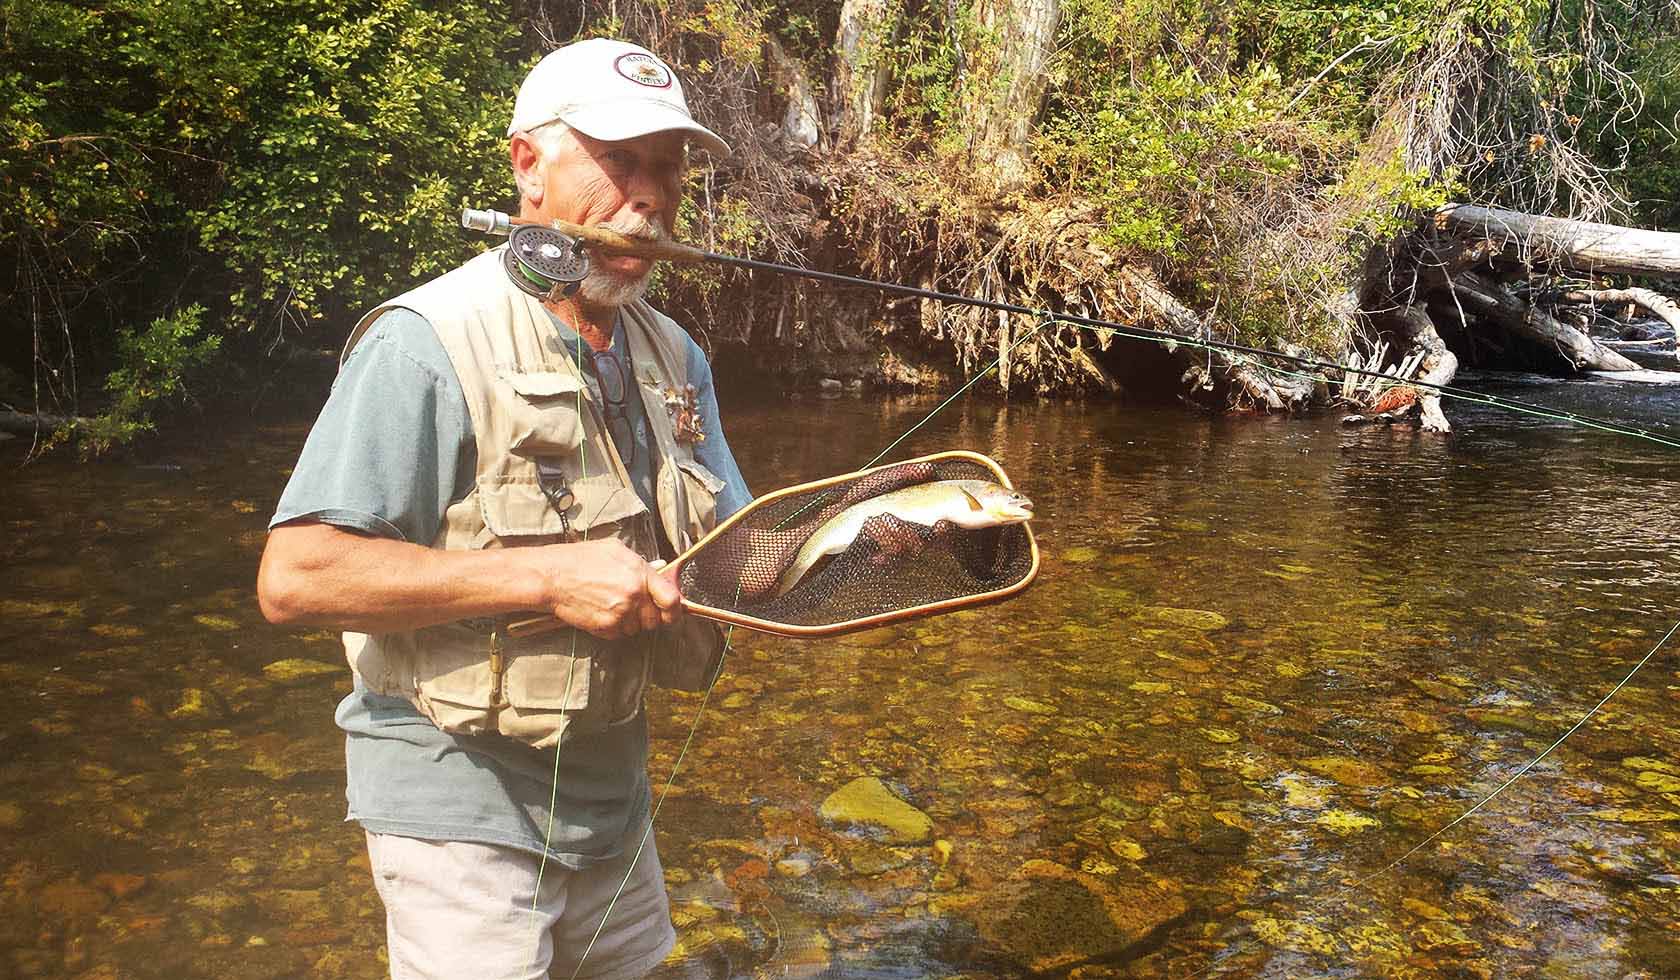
910, 539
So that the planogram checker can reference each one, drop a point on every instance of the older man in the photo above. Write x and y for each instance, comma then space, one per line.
490, 448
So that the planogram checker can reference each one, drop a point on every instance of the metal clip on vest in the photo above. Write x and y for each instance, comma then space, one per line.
552, 480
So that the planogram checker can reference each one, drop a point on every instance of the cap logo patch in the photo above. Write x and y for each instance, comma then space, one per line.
643, 70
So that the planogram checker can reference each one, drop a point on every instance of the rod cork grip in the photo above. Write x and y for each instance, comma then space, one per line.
620, 244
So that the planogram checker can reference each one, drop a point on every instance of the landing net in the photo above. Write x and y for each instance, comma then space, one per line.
904, 540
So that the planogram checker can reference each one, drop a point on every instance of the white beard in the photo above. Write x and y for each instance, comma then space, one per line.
608, 291
600, 288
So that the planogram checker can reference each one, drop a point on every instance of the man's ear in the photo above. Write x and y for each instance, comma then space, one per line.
527, 160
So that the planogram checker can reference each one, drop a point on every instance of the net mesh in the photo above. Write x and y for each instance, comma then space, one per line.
892, 565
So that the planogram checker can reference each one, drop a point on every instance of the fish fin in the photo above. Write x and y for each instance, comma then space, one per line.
973, 501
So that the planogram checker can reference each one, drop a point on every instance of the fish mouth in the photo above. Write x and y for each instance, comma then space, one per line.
1019, 509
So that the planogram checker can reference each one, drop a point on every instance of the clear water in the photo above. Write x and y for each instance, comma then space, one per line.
1264, 659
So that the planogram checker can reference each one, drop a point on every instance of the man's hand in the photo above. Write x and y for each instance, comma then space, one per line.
604, 588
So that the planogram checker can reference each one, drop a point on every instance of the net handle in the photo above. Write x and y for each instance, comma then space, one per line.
538, 625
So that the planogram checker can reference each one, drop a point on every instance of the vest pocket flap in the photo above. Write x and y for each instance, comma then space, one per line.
518, 508
542, 412
703, 476
455, 674
551, 681
543, 384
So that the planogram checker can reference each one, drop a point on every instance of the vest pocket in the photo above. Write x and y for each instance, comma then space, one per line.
700, 489
543, 413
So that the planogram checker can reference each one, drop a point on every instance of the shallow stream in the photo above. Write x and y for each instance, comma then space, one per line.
1264, 659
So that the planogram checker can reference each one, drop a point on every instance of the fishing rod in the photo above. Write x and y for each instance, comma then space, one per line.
550, 259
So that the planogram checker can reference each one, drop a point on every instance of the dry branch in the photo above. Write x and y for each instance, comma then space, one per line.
1154, 299
1482, 295
28, 424
1584, 245
1650, 299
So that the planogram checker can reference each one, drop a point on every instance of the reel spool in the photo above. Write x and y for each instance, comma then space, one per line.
541, 260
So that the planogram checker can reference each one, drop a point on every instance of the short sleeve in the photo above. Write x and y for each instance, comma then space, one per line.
393, 446
713, 451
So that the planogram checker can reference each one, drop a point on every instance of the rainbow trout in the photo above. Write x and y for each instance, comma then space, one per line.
971, 504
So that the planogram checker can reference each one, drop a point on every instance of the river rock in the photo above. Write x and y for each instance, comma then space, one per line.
298, 669
1195, 619
1047, 916
1347, 771
11, 816
866, 803
71, 901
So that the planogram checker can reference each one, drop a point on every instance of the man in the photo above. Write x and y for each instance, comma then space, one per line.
491, 448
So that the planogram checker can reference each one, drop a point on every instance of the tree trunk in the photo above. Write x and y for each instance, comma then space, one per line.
1492, 300
1004, 82
1582, 245
802, 123
867, 27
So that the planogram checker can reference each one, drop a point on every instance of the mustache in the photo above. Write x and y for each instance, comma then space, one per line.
637, 226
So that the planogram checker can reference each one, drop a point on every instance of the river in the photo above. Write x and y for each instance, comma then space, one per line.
1265, 658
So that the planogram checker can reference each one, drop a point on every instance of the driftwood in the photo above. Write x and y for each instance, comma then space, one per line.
1650, 299
30, 424
1436, 365
1480, 294
1247, 377
1583, 245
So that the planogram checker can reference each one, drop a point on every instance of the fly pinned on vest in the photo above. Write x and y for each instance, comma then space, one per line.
684, 407
548, 472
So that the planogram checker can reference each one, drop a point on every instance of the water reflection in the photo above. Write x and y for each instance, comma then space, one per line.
1265, 658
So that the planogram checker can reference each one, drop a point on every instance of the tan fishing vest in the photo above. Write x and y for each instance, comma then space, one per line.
529, 403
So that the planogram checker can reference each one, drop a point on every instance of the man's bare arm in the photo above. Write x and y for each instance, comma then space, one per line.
318, 574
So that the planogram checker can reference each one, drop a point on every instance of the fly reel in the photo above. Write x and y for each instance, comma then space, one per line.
543, 262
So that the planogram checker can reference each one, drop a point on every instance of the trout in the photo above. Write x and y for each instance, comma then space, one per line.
970, 504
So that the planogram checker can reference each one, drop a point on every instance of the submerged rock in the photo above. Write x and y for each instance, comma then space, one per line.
1195, 619
866, 803
1047, 916
299, 668
1347, 771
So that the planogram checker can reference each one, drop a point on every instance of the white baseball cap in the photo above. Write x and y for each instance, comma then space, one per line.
610, 90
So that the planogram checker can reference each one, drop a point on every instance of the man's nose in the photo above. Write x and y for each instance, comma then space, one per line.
648, 196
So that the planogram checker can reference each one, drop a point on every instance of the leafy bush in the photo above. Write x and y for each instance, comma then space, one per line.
155, 367
281, 164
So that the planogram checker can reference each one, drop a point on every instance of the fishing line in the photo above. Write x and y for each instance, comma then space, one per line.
571, 667
496, 223
1361, 883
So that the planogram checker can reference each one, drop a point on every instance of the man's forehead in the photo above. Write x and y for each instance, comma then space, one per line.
665, 143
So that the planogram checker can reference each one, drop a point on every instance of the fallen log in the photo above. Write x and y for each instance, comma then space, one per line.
1438, 365
1487, 297
1248, 378
28, 424
1650, 299
1584, 245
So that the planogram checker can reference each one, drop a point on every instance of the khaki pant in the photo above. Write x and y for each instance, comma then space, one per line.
455, 910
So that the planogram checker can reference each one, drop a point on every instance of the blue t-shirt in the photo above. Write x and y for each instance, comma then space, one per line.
391, 450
